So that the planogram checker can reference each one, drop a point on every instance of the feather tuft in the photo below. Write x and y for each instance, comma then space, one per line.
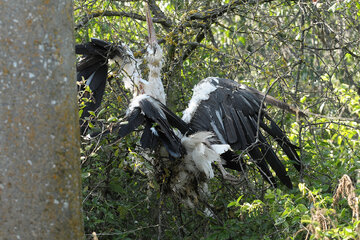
200, 155
201, 92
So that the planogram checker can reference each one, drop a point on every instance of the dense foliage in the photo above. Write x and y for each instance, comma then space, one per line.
305, 53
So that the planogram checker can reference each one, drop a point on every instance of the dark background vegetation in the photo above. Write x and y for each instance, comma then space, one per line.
305, 53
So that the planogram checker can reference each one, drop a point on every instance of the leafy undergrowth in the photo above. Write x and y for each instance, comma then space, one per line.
311, 214
123, 201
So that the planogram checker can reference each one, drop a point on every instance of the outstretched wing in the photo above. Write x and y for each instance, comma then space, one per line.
93, 68
93, 64
231, 111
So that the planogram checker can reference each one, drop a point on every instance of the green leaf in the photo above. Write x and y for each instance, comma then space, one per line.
242, 40
112, 119
101, 111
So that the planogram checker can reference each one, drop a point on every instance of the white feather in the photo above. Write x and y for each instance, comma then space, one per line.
217, 132
201, 92
219, 117
135, 102
209, 213
180, 181
89, 80
189, 181
220, 148
153, 130
132, 76
200, 155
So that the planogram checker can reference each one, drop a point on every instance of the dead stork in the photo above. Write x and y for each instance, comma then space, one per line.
222, 118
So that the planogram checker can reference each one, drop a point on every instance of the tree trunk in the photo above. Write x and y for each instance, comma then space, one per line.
40, 195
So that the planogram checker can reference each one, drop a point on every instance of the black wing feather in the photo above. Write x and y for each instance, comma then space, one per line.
155, 115
132, 121
260, 162
284, 142
174, 120
148, 138
228, 122
93, 68
241, 143
272, 159
159, 122
233, 161
166, 121
97, 86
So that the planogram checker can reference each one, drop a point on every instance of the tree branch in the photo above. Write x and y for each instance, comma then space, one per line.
132, 15
158, 14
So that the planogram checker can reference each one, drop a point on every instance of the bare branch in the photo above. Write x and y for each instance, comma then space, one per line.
132, 15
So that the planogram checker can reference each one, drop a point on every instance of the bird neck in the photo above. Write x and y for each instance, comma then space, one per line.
154, 86
133, 79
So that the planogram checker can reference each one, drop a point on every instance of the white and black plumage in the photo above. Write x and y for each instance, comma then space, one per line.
223, 117
231, 111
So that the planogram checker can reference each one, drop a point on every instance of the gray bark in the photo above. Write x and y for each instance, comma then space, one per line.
40, 196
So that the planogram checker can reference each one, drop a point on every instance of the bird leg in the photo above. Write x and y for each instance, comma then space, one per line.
227, 176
